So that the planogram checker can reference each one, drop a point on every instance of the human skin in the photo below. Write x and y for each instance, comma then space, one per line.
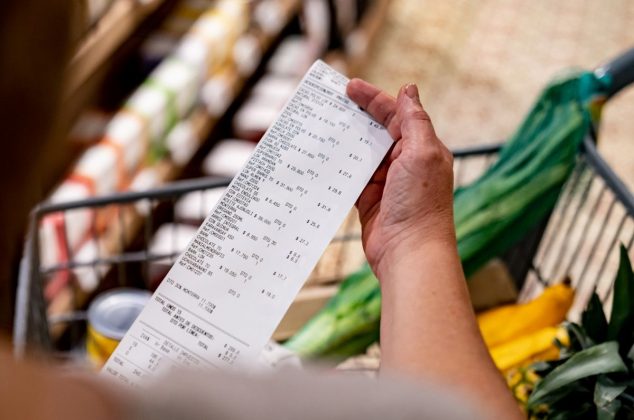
428, 327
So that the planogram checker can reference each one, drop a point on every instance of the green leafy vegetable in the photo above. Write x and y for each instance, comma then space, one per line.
621, 323
593, 320
602, 358
593, 380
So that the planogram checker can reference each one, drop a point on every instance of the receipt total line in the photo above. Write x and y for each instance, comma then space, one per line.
244, 343
179, 344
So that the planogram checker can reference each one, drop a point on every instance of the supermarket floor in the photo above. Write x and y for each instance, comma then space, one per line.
481, 64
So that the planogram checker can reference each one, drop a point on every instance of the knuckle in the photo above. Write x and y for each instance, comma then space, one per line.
432, 155
418, 114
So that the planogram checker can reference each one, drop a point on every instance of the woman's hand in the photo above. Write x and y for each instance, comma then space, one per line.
428, 328
409, 199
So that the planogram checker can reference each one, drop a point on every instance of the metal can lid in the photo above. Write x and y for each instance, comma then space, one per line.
112, 313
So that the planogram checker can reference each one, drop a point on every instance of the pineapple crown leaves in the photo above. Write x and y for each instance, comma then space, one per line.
598, 366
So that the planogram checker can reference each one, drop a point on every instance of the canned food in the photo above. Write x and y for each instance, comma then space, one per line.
110, 316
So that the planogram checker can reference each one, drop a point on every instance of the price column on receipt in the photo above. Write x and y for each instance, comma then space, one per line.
226, 294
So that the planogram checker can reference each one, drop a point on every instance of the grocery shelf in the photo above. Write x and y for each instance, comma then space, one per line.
119, 235
111, 31
362, 37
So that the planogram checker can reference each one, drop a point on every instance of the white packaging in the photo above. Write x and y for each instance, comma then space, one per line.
237, 12
145, 180
216, 34
195, 206
128, 134
89, 277
178, 77
182, 142
61, 230
170, 240
293, 57
195, 51
269, 16
217, 94
228, 157
253, 118
99, 165
152, 103
247, 54
273, 89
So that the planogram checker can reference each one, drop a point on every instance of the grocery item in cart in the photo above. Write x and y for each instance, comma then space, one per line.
109, 317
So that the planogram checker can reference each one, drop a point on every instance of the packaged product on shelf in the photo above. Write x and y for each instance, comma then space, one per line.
128, 136
253, 118
193, 207
86, 277
144, 180
227, 157
247, 53
64, 231
182, 142
219, 90
162, 100
294, 56
269, 15
274, 89
317, 23
156, 106
163, 42
167, 243
89, 274
178, 79
100, 169
217, 30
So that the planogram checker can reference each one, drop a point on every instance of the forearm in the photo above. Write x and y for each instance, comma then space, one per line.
428, 328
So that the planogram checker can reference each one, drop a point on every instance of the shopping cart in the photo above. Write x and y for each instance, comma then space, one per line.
594, 213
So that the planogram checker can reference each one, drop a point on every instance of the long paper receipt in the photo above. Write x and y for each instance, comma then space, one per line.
225, 295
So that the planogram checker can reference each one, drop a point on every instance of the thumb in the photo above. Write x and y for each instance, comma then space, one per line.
415, 122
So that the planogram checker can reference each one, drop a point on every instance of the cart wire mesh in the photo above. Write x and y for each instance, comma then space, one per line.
133, 238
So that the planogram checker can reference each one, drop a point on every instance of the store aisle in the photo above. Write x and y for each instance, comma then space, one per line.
481, 64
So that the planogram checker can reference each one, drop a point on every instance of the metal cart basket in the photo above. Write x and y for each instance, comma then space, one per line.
594, 213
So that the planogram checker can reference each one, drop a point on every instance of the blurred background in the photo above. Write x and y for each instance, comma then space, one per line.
164, 100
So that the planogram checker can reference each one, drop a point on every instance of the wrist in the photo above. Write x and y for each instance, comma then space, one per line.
414, 245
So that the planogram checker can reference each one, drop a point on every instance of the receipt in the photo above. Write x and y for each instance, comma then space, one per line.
225, 295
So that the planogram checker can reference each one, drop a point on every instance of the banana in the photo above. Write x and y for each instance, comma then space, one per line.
505, 323
536, 346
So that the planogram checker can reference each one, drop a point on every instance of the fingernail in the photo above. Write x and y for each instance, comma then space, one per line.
411, 90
